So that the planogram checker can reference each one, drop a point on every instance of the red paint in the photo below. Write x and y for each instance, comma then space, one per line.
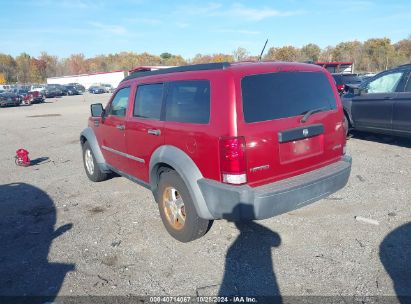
261, 156
22, 158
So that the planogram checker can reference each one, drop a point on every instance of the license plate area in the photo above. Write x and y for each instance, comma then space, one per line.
300, 149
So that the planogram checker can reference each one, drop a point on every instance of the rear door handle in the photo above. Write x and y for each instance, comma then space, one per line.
154, 132
121, 127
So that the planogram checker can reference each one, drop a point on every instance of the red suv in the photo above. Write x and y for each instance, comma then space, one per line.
238, 141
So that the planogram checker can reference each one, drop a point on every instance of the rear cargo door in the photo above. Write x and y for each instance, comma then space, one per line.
279, 142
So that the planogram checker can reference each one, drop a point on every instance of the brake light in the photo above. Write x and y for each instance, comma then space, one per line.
340, 87
232, 160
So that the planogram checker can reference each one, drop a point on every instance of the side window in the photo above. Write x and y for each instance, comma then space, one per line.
385, 84
118, 106
188, 101
408, 84
149, 99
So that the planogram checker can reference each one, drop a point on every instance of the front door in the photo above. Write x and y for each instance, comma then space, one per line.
373, 109
112, 131
145, 129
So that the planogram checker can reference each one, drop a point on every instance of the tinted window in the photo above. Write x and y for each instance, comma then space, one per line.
337, 78
188, 101
351, 79
148, 101
119, 104
408, 84
385, 84
285, 94
346, 78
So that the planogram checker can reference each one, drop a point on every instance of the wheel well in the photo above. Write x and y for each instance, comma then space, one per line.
348, 117
156, 172
161, 168
83, 139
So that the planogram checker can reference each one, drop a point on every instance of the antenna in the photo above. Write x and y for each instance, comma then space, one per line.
261, 55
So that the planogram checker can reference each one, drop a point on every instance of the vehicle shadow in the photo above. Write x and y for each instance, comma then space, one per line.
38, 161
249, 268
395, 255
381, 138
27, 220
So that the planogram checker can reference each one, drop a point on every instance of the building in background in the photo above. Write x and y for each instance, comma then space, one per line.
87, 80
113, 78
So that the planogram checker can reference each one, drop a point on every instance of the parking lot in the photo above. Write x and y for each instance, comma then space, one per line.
74, 237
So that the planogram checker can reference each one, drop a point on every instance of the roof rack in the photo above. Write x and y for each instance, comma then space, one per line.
185, 68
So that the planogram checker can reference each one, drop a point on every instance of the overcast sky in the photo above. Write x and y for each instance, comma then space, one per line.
64, 27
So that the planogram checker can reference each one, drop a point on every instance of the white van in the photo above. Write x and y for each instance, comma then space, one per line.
5, 87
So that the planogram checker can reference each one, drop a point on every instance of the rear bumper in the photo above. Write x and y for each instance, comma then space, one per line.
247, 203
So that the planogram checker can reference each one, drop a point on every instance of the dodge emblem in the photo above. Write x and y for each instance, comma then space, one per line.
305, 132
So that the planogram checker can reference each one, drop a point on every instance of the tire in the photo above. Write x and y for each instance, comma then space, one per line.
187, 225
90, 165
347, 125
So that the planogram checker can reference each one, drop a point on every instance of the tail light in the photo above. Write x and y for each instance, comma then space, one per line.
232, 160
340, 87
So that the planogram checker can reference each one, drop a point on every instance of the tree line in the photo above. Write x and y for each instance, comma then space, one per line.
372, 55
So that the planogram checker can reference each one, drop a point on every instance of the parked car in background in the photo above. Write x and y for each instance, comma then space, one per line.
97, 90
62, 88
33, 97
240, 141
80, 88
38, 87
108, 87
9, 99
342, 79
21, 93
71, 90
381, 104
5, 87
52, 91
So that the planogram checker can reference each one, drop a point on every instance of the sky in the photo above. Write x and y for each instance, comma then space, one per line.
187, 28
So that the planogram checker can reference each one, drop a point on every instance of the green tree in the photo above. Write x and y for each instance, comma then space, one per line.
352, 51
310, 52
165, 56
200, 58
23, 62
327, 54
285, 53
8, 67
51, 65
403, 51
241, 54
380, 52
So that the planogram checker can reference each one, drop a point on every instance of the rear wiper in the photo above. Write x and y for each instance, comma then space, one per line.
309, 113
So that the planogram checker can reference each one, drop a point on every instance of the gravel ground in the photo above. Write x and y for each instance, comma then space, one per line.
61, 234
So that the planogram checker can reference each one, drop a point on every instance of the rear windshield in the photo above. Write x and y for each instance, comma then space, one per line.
285, 94
350, 78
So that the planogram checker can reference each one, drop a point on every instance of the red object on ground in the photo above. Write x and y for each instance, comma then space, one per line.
22, 158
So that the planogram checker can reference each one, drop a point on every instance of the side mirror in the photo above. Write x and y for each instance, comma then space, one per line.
97, 110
